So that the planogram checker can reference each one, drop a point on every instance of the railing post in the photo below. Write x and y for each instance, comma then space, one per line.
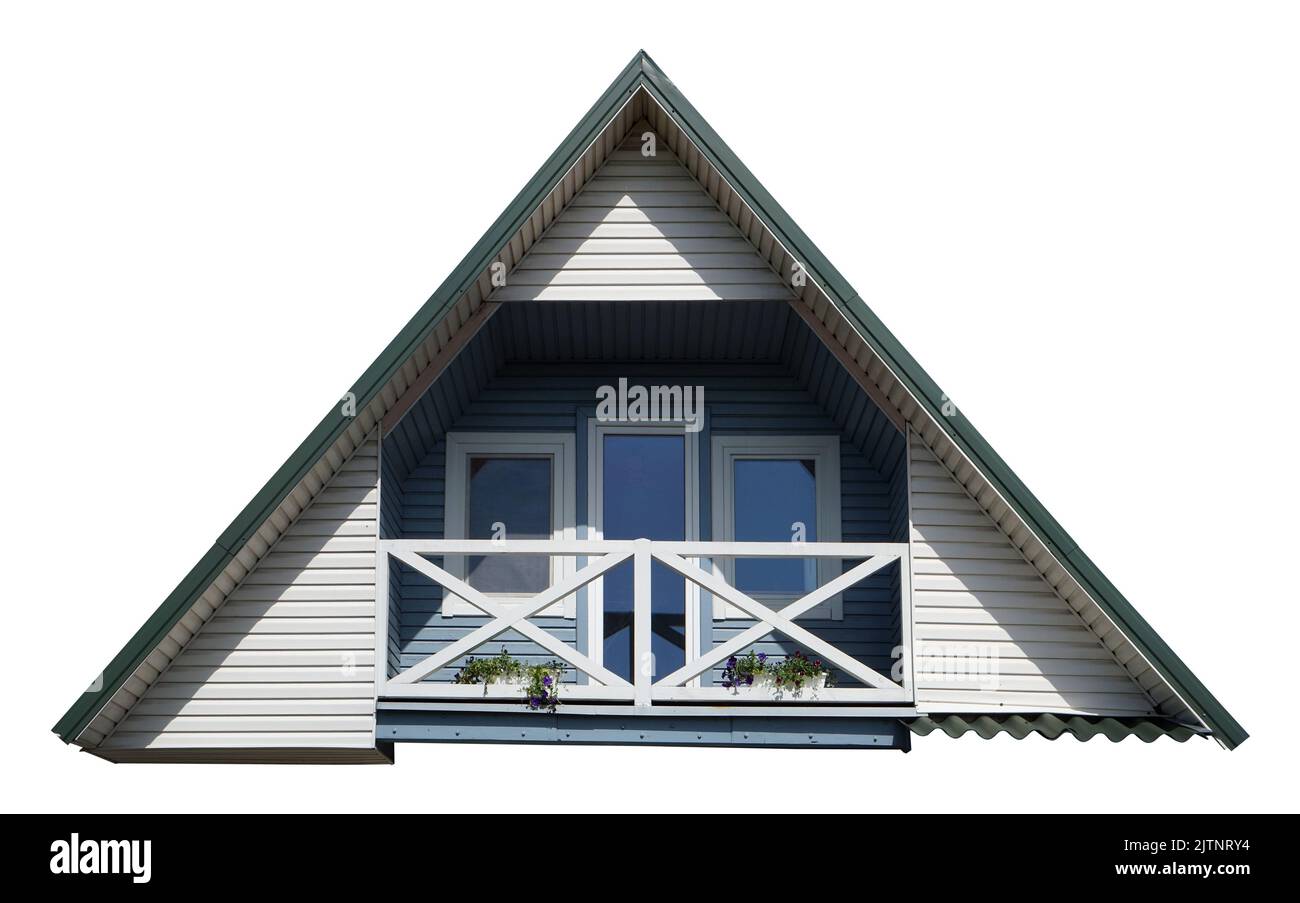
905, 619
382, 602
642, 650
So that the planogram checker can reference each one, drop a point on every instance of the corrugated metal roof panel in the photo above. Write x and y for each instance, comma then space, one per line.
1051, 726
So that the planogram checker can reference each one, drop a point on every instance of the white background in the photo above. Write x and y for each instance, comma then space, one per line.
1082, 220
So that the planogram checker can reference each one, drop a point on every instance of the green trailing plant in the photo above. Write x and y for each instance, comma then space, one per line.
790, 673
541, 682
486, 670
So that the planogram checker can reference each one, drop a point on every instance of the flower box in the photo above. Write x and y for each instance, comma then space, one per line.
764, 688
504, 675
516, 681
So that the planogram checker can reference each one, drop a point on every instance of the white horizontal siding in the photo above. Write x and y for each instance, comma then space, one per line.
643, 230
974, 594
287, 662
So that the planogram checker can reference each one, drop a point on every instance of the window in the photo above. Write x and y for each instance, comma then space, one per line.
508, 486
776, 489
645, 479
509, 498
770, 496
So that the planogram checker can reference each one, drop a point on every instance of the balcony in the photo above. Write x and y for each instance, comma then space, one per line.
642, 690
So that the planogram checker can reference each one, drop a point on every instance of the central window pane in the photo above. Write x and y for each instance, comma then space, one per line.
644, 492
509, 498
774, 499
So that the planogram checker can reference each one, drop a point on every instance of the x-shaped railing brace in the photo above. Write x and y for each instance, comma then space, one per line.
772, 621
510, 616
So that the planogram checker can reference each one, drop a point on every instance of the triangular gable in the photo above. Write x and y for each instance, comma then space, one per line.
642, 229
976, 599
828, 303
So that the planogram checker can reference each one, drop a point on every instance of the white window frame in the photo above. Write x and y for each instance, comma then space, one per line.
561, 449
825, 452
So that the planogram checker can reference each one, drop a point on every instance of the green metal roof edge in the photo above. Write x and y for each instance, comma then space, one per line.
644, 72
328, 431
932, 398
1148, 730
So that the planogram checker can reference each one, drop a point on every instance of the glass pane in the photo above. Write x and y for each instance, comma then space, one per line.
511, 495
771, 495
644, 490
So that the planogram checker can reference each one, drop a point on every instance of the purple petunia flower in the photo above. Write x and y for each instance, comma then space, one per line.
547, 681
762, 656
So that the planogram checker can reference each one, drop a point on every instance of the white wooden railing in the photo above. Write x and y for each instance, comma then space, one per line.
682, 557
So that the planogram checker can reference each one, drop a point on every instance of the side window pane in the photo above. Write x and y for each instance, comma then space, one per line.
516, 494
770, 496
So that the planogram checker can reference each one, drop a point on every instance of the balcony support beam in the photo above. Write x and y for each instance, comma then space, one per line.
735, 728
